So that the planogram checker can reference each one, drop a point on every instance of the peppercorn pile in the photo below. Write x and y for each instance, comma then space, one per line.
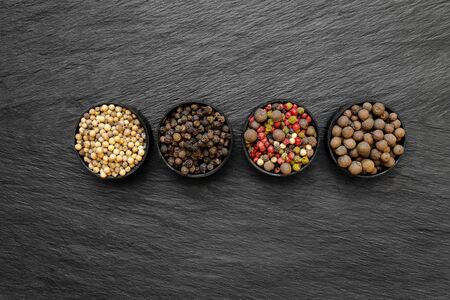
195, 139
280, 138
367, 139
111, 140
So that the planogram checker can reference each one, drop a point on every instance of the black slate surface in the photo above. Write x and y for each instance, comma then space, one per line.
65, 234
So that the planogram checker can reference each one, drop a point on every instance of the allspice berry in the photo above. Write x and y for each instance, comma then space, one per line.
336, 131
375, 154
335, 142
390, 139
260, 115
379, 124
399, 133
378, 109
355, 168
368, 165
278, 135
398, 150
363, 114
343, 121
250, 135
382, 146
363, 149
341, 150
269, 166
385, 157
389, 128
348, 113
344, 161
390, 163
367, 106
378, 135
367, 125
277, 115
355, 109
396, 123
285, 168
353, 153
356, 125
368, 138
349, 143
358, 135
347, 132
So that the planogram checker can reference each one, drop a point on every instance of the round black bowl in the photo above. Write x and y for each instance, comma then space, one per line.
148, 138
202, 175
339, 112
313, 123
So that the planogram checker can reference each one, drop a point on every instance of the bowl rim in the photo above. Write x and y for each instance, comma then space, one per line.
332, 122
202, 175
262, 105
142, 120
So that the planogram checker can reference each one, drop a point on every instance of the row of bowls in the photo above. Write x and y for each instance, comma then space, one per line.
148, 133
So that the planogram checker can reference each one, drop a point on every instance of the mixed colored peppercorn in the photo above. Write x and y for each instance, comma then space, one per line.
280, 138
367, 139
194, 139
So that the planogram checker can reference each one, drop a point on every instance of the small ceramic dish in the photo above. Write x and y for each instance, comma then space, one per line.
147, 147
335, 157
249, 147
177, 169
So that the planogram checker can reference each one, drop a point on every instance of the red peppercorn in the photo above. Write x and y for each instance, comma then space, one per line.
261, 135
280, 161
286, 141
287, 115
268, 107
304, 115
308, 119
270, 149
291, 155
288, 160
286, 122
296, 127
298, 141
293, 111
276, 124
295, 106
251, 119
255, 159
260, 129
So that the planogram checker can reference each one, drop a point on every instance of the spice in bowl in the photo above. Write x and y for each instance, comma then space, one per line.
195, 139
111, 140
280, 138
366, 139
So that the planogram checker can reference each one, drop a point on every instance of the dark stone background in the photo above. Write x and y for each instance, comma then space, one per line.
65, 234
